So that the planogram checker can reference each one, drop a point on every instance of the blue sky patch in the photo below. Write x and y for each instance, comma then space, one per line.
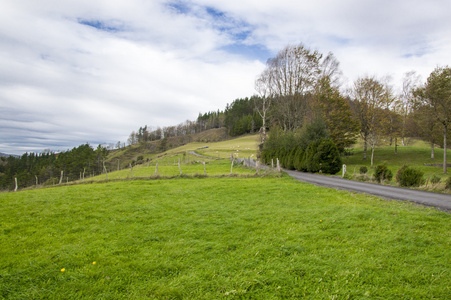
250, 52
110, 26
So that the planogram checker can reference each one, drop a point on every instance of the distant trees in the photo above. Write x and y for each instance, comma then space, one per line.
437, 95
48, 166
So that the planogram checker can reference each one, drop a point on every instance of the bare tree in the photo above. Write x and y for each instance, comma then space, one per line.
406, 100
369, 95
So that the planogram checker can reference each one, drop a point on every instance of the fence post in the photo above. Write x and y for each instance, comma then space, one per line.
205, 171
36, 180
278, 165
15, 180
61, 177
231, 168
344, 170
180, 168
156, 169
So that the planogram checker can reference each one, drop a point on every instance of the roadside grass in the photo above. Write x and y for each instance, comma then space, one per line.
414, 156
219, 238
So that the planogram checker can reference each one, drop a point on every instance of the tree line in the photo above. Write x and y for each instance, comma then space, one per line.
300, 86
45, 168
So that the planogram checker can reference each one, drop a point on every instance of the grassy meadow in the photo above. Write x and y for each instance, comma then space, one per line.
415, 155
219, 238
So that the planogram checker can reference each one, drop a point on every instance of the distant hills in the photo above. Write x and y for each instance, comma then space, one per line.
6, 155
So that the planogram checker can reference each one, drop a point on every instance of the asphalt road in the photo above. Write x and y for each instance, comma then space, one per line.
440, 201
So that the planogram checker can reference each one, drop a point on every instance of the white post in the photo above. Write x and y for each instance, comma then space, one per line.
131, 167
61, 177
205, 171
231, 168
156, 169
272, 163
180, 169
344, 170
257, 164
15, 180
278, 165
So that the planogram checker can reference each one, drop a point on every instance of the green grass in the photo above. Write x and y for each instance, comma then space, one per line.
219, 238
168, 167
414, 156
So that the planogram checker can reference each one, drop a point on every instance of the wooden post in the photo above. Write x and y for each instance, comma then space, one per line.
156, 169
61, 177
131, 167
231, 168
272, 163
118, 164
83, 178
36, 180
344, 170
104, 168
15, 180
180, 169
278, 165
205, 171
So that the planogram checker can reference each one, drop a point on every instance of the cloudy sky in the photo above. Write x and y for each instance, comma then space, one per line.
78, 71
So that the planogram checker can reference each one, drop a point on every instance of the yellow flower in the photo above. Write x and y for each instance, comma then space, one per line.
62, 270
93, 262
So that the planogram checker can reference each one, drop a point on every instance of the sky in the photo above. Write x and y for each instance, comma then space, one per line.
78, 71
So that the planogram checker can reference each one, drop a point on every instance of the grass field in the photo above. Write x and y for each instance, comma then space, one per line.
415, 156
219, 238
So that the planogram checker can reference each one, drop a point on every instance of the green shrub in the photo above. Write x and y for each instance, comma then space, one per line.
407, 176
329, 157
448, 183
363, 170
435, 179
382, 173
311, 158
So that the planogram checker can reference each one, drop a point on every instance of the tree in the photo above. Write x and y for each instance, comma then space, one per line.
406, 100
288, 79
369, 95
437, 94
425, 125
336, 112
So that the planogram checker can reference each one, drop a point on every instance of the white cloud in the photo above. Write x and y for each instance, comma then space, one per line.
65, 82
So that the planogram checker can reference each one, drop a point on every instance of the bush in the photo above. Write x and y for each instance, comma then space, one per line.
329, 157
382, 173
407, 176
448, 183
363, 170
311, 158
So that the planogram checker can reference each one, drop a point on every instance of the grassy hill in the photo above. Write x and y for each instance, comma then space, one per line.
416, 155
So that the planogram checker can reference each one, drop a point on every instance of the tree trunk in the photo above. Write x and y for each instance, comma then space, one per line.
365, 145
396, 145
444, 148
372, 155
432, 150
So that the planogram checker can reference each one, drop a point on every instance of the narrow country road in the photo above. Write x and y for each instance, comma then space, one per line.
441, 201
